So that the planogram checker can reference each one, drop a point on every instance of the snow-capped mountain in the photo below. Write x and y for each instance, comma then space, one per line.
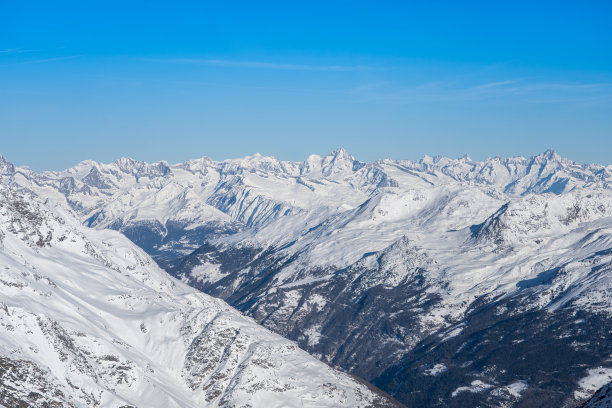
87, 319
465, 280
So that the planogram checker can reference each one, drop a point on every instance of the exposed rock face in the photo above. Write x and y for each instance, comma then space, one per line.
382, 268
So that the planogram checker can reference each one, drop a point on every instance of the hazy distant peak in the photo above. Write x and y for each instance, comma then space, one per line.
339, 161
551, 155
6, 167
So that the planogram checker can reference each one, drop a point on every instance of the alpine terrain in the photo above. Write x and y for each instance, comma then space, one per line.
87, 319
444, 282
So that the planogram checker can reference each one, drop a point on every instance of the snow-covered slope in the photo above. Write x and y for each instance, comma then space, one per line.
89, 320
387, 269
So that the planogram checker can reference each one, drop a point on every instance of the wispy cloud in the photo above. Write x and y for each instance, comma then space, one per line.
524, 90
15, 51
41, 61
258, 64
495, 84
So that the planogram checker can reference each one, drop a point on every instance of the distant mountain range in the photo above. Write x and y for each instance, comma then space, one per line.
443, 282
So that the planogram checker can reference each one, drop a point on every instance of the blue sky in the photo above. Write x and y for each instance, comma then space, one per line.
158, 80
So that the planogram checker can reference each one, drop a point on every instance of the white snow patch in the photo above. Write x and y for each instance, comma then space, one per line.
436, 369
452, 333
317, 300
597, 378
292, 298
517, 388
208, 272
313, 334
476, 386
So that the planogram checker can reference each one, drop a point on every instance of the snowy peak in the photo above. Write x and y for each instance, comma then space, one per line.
95, 179
258, 164
536, 218
6, 167
466, 158
550, 155
311, 163
339, 162
339, 154
142, 169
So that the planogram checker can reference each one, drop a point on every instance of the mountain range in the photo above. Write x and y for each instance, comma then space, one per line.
444, 282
